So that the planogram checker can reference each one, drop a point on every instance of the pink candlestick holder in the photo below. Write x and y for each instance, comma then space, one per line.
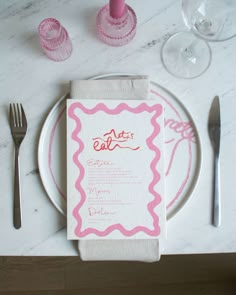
54, 39
116, 23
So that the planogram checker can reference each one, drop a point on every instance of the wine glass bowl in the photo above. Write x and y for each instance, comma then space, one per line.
187, 54
212, 20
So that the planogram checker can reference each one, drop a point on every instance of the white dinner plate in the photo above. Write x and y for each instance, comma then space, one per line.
182, 151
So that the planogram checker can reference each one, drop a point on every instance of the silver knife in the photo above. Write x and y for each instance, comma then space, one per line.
214, 132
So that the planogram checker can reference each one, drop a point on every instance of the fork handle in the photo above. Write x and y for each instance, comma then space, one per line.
216, 193
17, 191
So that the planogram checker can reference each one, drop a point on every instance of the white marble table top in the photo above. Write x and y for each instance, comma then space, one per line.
28, 76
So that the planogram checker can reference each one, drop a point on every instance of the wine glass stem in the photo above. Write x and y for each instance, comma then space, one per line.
189, 51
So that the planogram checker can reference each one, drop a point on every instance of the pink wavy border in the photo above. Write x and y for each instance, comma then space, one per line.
156, 176
178, 193
186, 177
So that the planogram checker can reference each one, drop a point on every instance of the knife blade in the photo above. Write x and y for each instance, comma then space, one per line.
214, 128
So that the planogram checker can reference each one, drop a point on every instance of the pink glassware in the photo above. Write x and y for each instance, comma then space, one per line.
54, 39
116, 23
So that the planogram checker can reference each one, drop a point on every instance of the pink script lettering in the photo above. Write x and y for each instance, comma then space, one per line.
112, 140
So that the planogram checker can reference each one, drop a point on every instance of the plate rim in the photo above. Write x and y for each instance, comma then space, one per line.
40, 148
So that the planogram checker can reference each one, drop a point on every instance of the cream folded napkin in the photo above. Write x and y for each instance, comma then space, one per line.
130, 250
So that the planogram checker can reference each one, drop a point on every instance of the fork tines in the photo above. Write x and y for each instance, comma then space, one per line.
17, 115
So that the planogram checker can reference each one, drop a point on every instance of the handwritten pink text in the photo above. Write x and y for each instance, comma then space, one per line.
112, 140
99, 211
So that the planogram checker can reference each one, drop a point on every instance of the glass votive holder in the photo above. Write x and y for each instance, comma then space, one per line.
116, 23
54, 39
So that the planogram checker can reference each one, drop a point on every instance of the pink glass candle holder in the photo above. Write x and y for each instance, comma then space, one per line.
116, 23
54, 39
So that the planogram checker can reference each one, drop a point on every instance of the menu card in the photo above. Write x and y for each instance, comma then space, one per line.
115, 175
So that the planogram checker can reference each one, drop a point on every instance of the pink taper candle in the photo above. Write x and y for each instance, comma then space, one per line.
117, 8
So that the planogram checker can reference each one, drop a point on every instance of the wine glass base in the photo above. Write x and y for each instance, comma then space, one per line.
186, 56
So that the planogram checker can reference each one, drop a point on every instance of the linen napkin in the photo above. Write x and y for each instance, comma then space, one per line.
125, 250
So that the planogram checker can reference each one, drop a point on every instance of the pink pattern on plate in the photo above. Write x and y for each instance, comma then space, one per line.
186, 132
156, 176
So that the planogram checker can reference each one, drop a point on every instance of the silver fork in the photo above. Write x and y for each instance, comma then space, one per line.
18, 124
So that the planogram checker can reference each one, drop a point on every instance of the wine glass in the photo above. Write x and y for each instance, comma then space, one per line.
187, 54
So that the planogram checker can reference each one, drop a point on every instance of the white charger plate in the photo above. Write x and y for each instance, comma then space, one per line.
182, 151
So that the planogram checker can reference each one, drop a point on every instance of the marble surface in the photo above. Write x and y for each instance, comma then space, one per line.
26, 75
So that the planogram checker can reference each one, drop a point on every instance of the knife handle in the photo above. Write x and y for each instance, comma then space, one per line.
216, 193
